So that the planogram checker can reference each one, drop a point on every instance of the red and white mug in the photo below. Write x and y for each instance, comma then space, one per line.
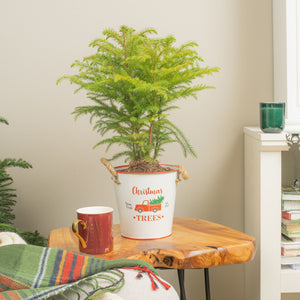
93, 228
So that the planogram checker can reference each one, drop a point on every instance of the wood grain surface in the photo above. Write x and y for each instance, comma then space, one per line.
193, 244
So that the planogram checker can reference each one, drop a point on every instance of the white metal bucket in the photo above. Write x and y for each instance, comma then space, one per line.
146, 203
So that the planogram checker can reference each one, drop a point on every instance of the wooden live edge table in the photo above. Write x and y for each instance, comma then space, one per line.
194, 244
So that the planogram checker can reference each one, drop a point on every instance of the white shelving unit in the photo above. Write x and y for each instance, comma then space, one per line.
264, 278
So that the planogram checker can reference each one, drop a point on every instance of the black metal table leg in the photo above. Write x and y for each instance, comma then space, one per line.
181, 283
207, 288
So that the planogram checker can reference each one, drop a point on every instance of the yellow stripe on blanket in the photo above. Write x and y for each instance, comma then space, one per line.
84, 266
61, 267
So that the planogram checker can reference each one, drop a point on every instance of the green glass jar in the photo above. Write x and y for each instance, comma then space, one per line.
272, 116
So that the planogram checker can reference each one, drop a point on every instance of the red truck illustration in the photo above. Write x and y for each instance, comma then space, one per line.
146, 206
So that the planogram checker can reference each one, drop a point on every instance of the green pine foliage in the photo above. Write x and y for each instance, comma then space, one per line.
133, 81
33, 238
7, 193
8, 198
158, 200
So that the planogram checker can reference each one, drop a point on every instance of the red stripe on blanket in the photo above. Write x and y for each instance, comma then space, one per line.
77, 269
12, 283
67, 268
11, 295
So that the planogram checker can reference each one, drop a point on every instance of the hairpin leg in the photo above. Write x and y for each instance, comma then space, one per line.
207, 288
181, 283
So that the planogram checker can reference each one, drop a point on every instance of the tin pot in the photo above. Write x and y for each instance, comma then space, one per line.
146, 202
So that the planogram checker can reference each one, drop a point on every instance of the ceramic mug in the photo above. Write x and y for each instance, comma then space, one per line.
93, 228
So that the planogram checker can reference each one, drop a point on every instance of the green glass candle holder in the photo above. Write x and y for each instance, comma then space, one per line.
272, 116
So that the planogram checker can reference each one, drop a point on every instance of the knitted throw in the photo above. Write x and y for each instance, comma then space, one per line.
32, 272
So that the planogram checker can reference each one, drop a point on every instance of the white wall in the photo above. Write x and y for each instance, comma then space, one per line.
39, 41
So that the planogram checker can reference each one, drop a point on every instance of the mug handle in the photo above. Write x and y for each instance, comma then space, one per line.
74, 229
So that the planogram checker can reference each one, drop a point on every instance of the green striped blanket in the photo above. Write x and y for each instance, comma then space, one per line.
32, 272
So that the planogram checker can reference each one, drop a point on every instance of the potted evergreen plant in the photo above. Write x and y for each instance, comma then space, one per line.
134, 80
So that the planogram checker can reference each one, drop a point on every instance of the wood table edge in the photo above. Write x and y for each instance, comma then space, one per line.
185, 259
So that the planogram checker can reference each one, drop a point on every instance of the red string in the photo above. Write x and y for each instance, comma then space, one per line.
151, 275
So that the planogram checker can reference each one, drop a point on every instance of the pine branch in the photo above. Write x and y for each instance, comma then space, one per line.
12, 162
2, 120
8, 199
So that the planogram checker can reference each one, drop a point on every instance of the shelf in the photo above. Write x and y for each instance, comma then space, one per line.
264, 279
290, 280
268, 141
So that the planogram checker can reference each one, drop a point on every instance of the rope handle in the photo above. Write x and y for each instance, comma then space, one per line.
111, 169
183, 172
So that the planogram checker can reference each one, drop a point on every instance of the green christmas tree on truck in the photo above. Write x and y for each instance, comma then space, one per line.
158, 200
